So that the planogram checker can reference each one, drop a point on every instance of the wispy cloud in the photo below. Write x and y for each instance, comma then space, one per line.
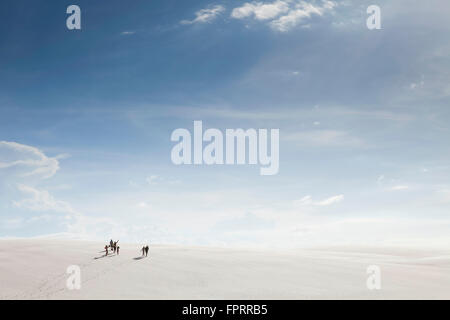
283, 14
19, 155
308, 201
205, 15
260, 11
127, 33
41, 200
31, 166
301, 12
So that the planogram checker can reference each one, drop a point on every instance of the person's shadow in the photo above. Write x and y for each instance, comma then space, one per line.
105, 256
139, 258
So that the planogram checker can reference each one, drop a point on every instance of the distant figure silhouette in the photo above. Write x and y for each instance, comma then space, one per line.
111, 243
146, 250
143, 251
117, 250
106, 249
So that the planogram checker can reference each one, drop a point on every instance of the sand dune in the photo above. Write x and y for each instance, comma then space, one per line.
36, 269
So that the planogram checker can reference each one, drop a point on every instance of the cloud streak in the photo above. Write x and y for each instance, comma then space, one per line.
308, 201
205, 15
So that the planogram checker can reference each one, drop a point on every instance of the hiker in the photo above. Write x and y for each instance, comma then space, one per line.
146, 250
117, 249
143, 250
114, 247
106, 249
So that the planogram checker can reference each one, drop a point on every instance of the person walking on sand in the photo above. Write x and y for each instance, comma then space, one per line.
146, 250
117, 250
106, 249
111, 243
143, 251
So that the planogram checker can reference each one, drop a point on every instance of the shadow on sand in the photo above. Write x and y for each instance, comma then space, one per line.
139, 258
104, 256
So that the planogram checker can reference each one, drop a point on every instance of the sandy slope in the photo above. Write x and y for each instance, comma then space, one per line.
36, 269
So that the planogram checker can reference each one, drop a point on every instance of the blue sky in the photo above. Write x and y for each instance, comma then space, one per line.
86, 119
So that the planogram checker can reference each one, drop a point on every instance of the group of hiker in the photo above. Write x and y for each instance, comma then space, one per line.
113, 246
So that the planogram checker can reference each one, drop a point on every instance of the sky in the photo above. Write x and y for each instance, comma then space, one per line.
363, 115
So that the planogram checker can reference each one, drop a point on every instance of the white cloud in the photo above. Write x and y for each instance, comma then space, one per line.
29, 163
261, 11
13, 154
205, 15
301, 12
308, 201
330, 200
41, 200
284, 14
126, 33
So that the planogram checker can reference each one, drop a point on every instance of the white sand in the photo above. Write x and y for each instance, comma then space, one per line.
36, 269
